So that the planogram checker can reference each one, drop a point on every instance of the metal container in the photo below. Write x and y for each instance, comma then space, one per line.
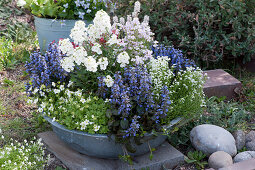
53, 29
99, 145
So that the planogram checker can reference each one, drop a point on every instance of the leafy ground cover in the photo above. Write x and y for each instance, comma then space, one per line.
19, 120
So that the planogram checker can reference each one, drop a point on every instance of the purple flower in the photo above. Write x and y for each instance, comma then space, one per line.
45, 69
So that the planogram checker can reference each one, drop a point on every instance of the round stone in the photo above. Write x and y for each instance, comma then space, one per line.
250, 136
250, 141
244, 156
239, 136
210, 138
220, 159
250, 146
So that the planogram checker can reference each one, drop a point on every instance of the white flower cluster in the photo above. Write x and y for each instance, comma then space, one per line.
101, 25
21, 3
96, 48
79, 33
189, 88
160, 72
66, 46
138, 35
108, 81
66, 99
29, 155
123, 59
85, 123
102, 22
133, 46
103, 63
91, 64
113, 40
79, 55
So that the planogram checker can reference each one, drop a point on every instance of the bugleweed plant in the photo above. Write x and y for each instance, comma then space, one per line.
214, 33
45, 69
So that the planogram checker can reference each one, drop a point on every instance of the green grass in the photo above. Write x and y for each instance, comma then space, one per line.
19, 128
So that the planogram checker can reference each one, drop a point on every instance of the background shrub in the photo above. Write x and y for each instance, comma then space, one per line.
215, 33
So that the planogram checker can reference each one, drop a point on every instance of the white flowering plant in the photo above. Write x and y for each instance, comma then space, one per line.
26, 155
65, 9
118, 80
73, 109
103, 49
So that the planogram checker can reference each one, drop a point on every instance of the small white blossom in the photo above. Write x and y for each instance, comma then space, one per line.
103, 63
91, 64
96, 128
108, 81
56, 91
113, 40
84, 124
21, 3
96, 48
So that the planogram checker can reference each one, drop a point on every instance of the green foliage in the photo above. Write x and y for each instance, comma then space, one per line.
126, 158
214, 33
59, 168
8, 82
196, 158
22, 128
56, 9
229, 115
14, 29
242, 150
7, 56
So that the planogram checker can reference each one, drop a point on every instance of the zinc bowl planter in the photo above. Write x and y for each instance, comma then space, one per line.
100, 145
49, 30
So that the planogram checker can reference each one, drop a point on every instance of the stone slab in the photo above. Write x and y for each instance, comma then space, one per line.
221, 83
164, 154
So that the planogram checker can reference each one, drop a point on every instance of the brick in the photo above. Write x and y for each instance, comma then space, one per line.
164, 154
221, 83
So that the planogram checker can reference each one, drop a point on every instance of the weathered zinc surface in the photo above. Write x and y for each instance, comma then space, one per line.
165, 154
221, 83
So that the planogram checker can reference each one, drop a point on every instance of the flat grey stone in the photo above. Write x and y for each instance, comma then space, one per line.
244, 156
76, 161
220, 159
239, 136
221, 83
210, 138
